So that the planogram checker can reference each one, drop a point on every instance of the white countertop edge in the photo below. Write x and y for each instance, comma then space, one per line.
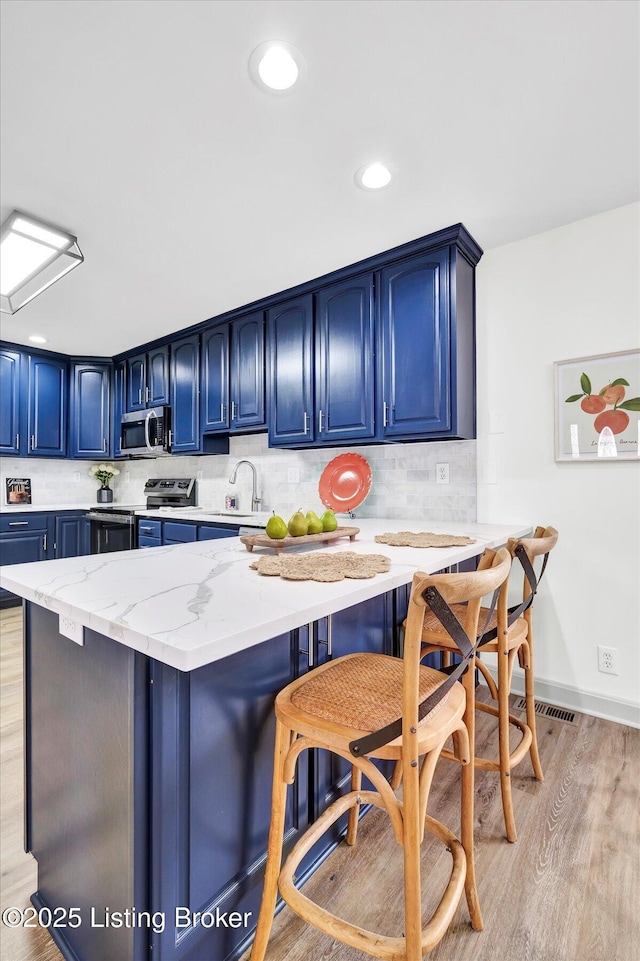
217, 566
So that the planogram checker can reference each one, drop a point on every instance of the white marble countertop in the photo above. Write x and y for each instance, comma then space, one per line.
191, 604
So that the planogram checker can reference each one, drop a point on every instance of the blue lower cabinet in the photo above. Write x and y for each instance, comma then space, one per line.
71, 535
149, 533
208, 533
24, 538
180, 533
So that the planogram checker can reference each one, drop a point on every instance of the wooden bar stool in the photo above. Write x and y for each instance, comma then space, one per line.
364, 706
508, 634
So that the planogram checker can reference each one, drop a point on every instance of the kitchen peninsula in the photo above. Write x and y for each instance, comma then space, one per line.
150, 678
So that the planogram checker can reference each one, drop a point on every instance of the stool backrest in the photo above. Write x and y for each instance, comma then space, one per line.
526, 550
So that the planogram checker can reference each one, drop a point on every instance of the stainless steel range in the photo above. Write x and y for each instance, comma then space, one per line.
113, 526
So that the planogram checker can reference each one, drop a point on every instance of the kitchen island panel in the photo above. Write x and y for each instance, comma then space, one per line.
86, 779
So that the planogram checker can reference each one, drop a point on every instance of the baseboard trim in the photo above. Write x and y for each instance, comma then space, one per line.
619, 710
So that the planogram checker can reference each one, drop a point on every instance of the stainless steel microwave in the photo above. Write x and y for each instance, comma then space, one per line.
146, 433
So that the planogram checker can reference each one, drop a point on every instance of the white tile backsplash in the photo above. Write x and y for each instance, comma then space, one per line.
403, 478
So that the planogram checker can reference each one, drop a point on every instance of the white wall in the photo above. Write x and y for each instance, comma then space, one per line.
571, 292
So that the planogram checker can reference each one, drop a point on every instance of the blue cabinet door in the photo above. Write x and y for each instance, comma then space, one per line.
47, 406
185, 380
345, 361
136, 382
215, 379
178, 533
158, 391
148, 379
247, 373
12, 435
90, 421
415, 347
71, 535
290, 372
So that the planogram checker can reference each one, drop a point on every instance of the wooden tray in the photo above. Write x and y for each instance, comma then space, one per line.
262, 540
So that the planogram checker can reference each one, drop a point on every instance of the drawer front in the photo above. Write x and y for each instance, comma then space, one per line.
206, 533
144, 540
182, 533
150, 528
23, 522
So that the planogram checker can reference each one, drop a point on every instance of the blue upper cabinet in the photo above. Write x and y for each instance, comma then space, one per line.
345, 361
148, 379
290, 391
215, 379
47, 406
415, 346
89, 423
12, 429
247, 373
185, 380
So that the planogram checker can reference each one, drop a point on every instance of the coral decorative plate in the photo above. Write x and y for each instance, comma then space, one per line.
345, 482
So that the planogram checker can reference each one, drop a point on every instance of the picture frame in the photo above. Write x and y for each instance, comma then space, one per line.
18, 491
597, 407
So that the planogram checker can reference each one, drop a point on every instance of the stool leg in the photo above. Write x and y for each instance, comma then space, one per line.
503, 745
412, 892
274, 850
352, 824
530, 699
467, 790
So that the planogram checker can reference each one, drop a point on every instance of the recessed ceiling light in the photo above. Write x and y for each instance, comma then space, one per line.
373, 176
36, 339
276, 65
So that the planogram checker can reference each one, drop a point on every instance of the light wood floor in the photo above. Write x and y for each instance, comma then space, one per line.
566, 891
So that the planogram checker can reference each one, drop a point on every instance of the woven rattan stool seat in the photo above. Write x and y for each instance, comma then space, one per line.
363, 692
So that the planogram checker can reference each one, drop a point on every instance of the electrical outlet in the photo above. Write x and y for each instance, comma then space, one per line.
127, 476
607, 659
71, 629
76, 476
293, 475
198, 475
442, 473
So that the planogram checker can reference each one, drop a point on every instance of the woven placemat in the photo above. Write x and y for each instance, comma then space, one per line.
322, 567
423, 539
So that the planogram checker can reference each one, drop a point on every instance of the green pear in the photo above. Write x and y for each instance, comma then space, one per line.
297, 525
329, 522
314, 523
276, 528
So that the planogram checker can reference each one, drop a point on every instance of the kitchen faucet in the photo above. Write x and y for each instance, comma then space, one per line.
255, 500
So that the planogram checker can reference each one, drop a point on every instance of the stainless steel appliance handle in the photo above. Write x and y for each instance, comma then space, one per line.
111, 518
147, 439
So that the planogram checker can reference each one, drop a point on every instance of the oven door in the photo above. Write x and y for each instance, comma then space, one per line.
116, 533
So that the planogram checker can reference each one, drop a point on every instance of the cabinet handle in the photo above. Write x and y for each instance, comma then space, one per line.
384, 414
17, 441
233, 410
33, 442
329, 641
139, 395
18, 523
306, 423
309, 651
104, 446
44, 542
319, 421
170, 439
146, 394
222, 412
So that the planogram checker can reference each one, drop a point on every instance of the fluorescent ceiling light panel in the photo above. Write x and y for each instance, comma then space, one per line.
33, 255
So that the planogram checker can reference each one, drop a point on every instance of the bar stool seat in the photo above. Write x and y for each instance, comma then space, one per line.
366, 706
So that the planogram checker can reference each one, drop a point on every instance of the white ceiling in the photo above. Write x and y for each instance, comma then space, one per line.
135, 125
